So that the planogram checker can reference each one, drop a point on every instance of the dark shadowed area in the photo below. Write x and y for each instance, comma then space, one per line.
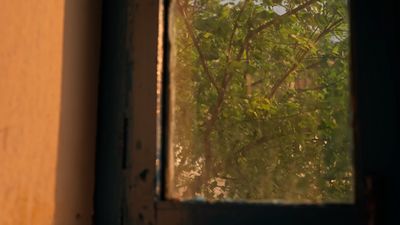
77, 137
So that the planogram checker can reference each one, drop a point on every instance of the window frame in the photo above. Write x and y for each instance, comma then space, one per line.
144, 161
127, 153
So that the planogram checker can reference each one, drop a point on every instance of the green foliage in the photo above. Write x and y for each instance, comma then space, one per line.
261, 100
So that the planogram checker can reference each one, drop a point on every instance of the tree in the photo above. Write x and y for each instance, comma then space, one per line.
260, 100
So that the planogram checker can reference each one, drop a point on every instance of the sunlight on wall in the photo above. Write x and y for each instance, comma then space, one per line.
32, 72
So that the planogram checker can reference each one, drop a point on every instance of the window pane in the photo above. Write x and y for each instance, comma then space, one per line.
260, 101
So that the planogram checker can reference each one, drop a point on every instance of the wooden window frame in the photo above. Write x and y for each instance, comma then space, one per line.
127, 140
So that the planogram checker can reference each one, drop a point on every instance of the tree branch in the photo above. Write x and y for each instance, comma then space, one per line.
261, 28
301, 57
197, 46
268, 24
235, 26
258, 142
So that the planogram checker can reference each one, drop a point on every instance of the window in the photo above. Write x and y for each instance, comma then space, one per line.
197, 212
259, 103
127, 153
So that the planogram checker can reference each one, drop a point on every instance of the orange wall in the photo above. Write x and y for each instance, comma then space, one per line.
49, 53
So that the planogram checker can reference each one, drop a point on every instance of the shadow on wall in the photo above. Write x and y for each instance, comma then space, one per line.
76, 150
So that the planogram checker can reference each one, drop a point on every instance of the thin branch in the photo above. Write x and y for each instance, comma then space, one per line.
235, 26
270, 23
216, 109
258, 142
197, 46
301, 57
312, 65
329, 29
261, 28
286, 75
229, 51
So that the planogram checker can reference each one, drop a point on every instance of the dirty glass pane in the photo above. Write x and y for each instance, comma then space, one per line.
259, 103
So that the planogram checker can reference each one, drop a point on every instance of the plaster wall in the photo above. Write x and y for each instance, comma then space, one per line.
48, 87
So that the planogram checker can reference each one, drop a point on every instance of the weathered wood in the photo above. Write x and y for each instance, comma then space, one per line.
143, 30
241, 213
375, 97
